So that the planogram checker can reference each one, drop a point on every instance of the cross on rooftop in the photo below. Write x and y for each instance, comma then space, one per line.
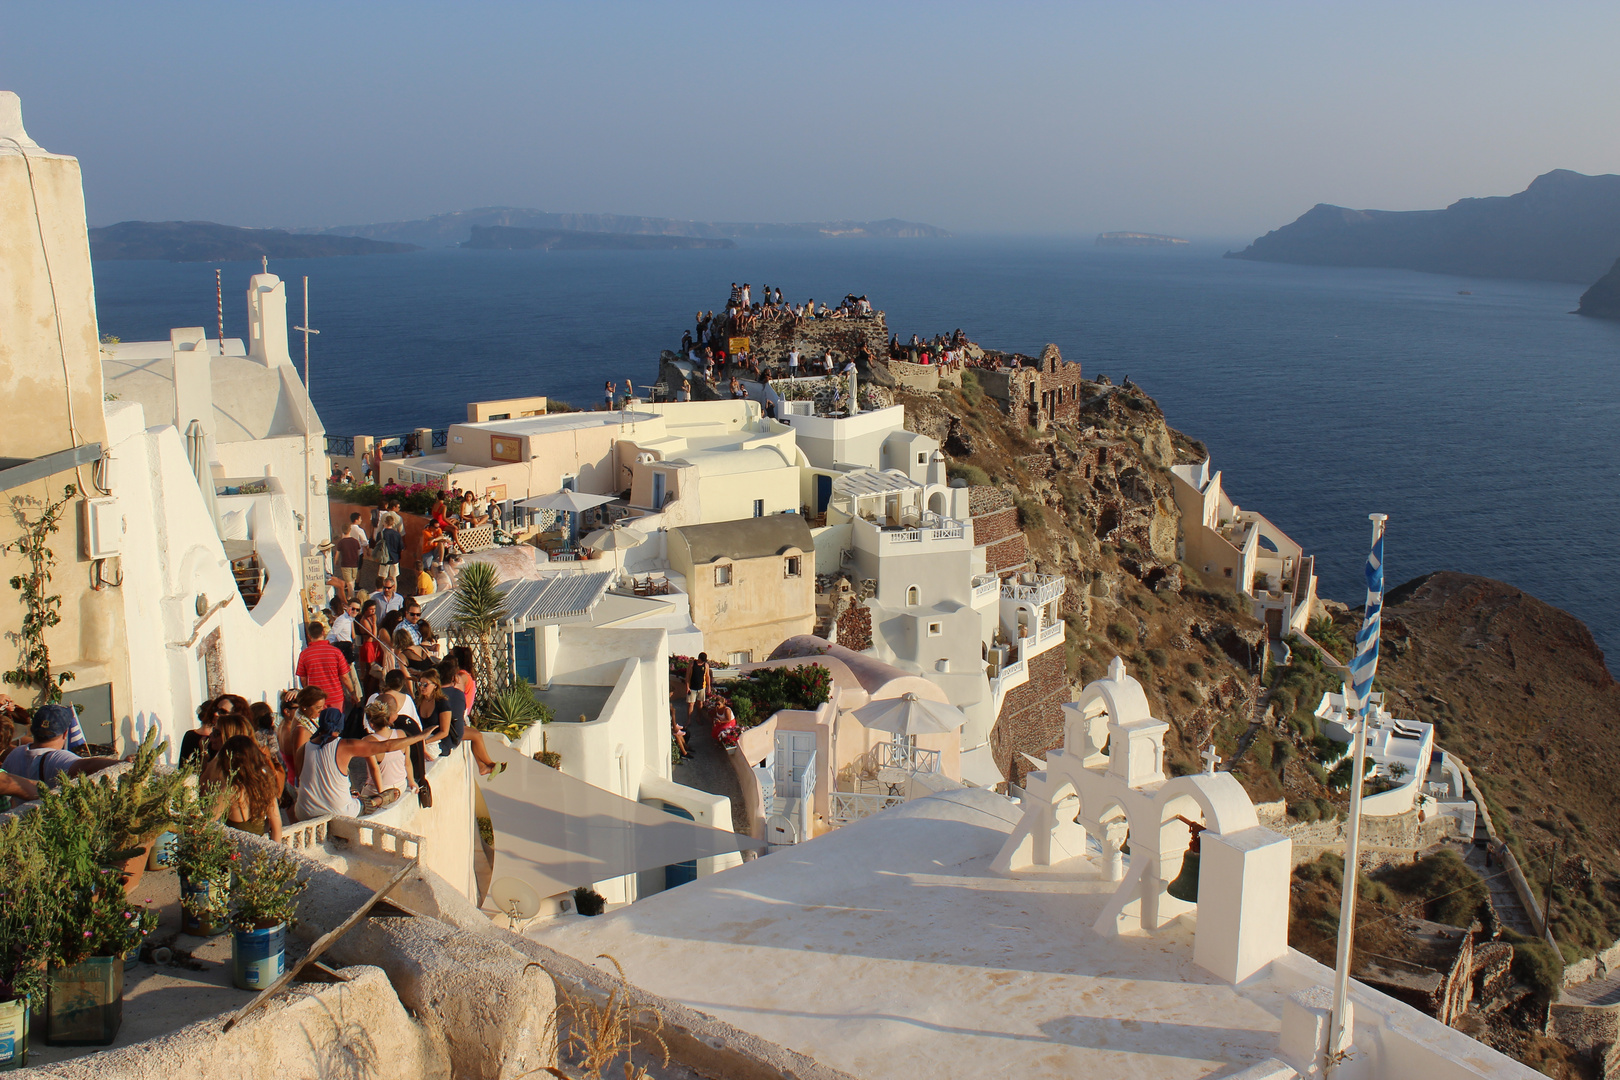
1211, 758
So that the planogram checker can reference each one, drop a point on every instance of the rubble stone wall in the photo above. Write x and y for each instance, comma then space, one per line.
1031, 720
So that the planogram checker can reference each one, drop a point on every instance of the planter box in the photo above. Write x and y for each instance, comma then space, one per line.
85, 1003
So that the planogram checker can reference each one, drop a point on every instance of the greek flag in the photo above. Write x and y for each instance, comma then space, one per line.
1364, 664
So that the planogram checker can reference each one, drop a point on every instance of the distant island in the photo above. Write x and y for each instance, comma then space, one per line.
453, 229
206, 241
1564, 227
509, 238
1137, 239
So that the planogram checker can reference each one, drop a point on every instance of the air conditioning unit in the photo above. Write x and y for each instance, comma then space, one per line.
103, 528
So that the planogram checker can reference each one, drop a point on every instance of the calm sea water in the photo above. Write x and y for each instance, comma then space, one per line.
1486, 425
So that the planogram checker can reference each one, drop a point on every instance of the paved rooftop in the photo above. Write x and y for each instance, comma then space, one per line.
887, 949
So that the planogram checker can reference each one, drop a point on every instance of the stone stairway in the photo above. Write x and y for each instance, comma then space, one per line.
1257, 720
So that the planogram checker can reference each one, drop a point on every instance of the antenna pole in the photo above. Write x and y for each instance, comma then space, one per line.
309, 452
219, 305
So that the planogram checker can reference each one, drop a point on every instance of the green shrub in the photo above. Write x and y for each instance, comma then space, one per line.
1195, 669
1327, 749
1158, 657
1536, 965
1121, 634
1284, 752
972, 474
1305, 810
1031, 513
1260, 751
970, 387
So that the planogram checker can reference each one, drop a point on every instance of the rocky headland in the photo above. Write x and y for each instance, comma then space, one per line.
510, 238
1564, 227
206, 241
1602, 300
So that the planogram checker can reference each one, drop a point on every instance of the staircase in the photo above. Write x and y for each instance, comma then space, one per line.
1257, 720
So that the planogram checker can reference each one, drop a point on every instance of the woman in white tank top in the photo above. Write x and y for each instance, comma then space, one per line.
323, 771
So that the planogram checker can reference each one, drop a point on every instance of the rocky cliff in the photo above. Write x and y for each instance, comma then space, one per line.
1564, 227
1602, 300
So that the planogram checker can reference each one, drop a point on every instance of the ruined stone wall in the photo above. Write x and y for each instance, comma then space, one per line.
1386, 839
1037, 392
1031, 720
770, 341
855, 627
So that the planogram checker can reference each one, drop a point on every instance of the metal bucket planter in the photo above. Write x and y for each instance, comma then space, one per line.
85, 1003
162, 854
258, 957
191, 924
13, 1034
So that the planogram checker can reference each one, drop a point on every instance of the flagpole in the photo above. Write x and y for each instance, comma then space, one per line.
1355, 709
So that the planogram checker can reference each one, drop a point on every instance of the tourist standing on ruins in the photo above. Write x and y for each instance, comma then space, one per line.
608, 393
793, 362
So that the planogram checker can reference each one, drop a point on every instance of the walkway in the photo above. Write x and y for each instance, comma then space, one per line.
1505, 900
1594, 992
709, 767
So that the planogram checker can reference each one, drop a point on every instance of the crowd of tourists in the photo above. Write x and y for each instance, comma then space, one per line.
948, 351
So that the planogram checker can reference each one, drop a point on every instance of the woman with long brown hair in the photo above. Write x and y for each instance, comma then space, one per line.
253, 786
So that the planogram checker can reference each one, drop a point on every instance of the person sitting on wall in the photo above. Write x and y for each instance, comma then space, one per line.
436, 515
323, 765
47, 760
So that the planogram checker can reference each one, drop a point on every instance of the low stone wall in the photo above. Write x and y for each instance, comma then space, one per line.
1031, 719
357, 1030
1399, 837
1589, 1029
995, 525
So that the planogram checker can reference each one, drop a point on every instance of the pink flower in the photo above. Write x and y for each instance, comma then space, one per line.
87, 933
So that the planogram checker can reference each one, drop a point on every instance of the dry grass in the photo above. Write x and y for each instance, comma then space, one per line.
593, 1035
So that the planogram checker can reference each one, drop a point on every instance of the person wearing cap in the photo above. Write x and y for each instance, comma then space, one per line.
323, 775
47, 759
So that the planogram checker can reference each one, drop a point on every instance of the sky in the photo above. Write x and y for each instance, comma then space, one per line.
1201, 119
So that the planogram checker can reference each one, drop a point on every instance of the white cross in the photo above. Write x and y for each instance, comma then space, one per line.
1211, 758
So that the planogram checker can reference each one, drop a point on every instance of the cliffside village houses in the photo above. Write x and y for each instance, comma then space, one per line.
797, 524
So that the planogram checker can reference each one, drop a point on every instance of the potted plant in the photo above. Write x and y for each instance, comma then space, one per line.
24, 874
84, 924
130, 810
204, 855
263, 905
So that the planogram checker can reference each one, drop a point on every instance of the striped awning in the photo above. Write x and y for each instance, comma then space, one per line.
532, 600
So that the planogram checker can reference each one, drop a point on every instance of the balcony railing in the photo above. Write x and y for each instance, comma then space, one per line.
985, 585
1052, 632
1043, 590
847, 806
899, 755
340, 446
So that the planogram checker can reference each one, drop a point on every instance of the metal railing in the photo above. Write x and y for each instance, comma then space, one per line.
340, 446
441, 437
847, 806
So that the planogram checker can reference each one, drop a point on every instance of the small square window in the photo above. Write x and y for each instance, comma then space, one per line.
1228, 571
794, 566
922, 459
759, 507
737, 659
722, 574
935, 629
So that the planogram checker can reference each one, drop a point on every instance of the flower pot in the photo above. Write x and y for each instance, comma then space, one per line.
13, 1034
259, 957
131, 870
84, 1005
162, 856
191, 924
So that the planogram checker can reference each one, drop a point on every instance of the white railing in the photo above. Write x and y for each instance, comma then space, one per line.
1045, 589
985, 585
375, 838
847, 806
898, 755
306, 836
1049, 633
475, 537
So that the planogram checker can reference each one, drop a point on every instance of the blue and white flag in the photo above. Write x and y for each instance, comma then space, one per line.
1364, 664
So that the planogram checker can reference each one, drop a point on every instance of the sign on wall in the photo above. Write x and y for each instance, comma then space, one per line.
496, 492
505, 448
737, 344
314, 581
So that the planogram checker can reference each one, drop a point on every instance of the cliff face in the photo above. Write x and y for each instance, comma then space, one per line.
1602, 300
1564, 227
1519, 690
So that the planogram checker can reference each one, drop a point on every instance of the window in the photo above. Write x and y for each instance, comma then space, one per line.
935, 629
759, 507
922, 459
740, 658
794, 566
722, 574
913, 596
1228, 571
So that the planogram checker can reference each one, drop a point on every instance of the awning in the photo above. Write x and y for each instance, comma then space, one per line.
531, 599
555, 832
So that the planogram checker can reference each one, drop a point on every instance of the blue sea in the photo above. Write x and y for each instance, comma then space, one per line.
1479, 414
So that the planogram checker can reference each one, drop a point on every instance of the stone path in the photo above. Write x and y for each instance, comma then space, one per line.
709, 768
1594, 992
1505, 900
1257, 720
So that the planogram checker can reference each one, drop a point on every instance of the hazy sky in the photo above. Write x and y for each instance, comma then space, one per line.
1203, 119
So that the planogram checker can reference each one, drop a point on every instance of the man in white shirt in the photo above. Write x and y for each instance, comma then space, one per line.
358, 531
388, 598
793, 362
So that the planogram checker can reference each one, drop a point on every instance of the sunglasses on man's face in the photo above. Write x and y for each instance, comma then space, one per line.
413, 614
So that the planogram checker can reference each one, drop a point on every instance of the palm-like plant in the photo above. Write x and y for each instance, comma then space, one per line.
512, 711
479, 611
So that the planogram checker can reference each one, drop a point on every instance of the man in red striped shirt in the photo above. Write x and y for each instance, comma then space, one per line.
321, 664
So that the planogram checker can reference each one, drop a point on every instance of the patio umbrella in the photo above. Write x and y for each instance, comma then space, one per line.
615, 538
197, 451
910, 715
572, 502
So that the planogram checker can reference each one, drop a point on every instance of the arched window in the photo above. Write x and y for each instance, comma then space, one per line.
913, 596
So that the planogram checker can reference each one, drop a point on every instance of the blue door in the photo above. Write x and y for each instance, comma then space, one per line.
679, 873
523, 655
823, 493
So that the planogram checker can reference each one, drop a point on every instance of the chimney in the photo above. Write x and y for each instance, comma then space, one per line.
193, 377
267, 320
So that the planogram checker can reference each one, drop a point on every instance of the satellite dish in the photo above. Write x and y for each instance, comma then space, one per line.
779, 829
515, 899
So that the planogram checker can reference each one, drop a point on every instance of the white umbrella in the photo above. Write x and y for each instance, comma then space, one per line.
910, 715
197, 451
615, 538
571, 502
